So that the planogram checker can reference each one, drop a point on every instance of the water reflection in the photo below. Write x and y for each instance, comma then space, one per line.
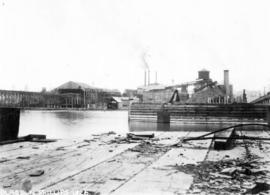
72, 124
71, 118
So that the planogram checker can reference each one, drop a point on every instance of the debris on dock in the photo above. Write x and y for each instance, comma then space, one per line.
140, 136
27, 185
224, 144
137, 162
233, 176
23, 157
36, 173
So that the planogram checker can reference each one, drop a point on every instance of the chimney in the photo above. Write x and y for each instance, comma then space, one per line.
226, 82
148, 77
156, 77
145, 77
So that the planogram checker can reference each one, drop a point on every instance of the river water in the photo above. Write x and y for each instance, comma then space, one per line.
72, 124
75, 124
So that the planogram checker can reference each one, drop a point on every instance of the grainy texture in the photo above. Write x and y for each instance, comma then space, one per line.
110, 163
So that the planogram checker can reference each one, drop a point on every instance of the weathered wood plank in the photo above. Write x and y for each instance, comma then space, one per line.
161, 177
24, 148
64, 166
16, 146
115, 172
41, 158
109, 175
34, 148
237, 152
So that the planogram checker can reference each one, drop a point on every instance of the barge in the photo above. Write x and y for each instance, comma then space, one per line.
199, 113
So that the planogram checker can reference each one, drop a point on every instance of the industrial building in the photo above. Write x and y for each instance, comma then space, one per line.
68, 95
204, 91
81, 95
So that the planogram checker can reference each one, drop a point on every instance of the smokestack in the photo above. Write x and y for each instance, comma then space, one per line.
226, 82
148, 77
156, 77
145, 77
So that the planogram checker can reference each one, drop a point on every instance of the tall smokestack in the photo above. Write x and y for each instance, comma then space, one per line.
156, 77
148, 77
145, 77
226, 82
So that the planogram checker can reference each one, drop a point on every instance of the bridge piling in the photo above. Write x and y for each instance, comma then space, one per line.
268, 115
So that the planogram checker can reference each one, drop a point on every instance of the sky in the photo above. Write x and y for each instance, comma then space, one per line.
107, 43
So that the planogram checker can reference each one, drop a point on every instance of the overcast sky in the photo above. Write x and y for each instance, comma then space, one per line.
101, 42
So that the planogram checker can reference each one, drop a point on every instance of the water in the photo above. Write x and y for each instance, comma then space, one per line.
75, 124
72, 124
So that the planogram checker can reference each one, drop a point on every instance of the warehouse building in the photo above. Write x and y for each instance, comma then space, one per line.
81, 95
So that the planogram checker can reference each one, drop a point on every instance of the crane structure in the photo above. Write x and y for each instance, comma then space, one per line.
198, 84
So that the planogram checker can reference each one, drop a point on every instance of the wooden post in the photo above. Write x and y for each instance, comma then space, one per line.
224, 144
163, 116
268, 114
9, 123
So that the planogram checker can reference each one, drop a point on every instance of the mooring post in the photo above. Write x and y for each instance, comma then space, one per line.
163, 116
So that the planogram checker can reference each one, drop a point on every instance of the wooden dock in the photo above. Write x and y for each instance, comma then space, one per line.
112, 164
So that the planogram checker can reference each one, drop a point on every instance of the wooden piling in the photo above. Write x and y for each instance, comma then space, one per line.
268, 115
163, 116
9, 123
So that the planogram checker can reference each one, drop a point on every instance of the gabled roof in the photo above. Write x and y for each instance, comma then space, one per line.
84, 86
75, 85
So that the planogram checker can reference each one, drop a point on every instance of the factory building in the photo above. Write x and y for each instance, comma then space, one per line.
157, 95
205, 91
211, 92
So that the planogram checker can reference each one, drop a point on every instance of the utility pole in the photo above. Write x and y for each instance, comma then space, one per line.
84, 99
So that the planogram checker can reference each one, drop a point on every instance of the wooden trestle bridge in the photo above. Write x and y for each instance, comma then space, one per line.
23, 99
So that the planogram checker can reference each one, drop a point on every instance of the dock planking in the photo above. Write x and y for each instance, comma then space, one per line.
104, 165
161, 177
58, 164
115, 172
63, 159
